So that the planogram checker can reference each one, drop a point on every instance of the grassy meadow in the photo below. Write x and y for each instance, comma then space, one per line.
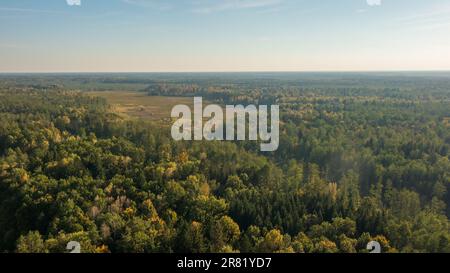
132, 104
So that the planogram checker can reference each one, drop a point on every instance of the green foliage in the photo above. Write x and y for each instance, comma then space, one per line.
354, 165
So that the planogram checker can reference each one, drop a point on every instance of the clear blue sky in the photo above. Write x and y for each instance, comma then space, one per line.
224, 35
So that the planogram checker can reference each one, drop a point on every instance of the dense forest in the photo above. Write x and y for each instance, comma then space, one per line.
361, 158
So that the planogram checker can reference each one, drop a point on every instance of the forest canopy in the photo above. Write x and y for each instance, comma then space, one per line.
361, 158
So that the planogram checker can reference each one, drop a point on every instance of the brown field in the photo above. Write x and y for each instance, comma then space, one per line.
139, 105
447, 122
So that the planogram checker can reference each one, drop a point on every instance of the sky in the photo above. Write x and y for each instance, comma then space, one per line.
223, 35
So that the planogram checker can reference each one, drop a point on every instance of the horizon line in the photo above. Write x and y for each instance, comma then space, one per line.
226, 72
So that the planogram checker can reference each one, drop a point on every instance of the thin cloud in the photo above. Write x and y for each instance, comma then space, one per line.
20, 10
373, 2
155, 4
73, 2
224, 5
436, 18
426, 15
434, 26
207, 6
12, 46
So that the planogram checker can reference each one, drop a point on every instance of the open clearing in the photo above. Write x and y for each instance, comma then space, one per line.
139, 105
